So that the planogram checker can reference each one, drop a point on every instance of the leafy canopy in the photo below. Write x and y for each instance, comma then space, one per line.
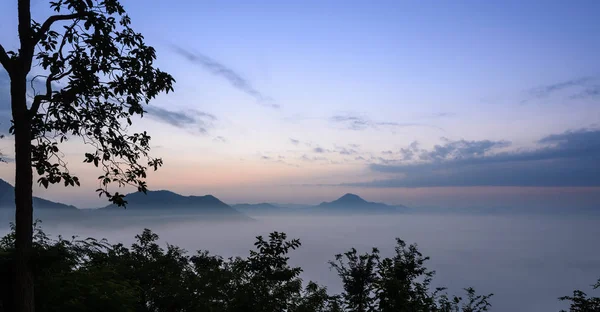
93, 275
97, 74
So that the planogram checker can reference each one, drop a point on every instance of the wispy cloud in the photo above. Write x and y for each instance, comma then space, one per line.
314, 158
191, 119
588, 92
235, 79
577, 88
346, 151
442, 115
566, 159
278, 159
548, 89
356, 122
220, 139
294, 141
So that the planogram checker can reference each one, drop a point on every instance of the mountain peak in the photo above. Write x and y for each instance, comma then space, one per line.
353, 203
351, 198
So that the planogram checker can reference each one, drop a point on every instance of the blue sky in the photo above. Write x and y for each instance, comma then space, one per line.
302, 101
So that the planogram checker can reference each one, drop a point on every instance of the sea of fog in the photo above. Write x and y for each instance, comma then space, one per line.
526, 261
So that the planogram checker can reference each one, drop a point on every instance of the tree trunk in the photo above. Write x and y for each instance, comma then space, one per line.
23, 291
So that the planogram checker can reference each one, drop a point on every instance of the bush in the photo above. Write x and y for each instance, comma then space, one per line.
93, 275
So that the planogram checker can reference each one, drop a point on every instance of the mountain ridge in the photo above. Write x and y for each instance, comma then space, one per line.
166, 200
353, 203
7, 200
347, 204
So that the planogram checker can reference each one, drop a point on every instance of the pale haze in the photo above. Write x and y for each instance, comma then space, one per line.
526, 261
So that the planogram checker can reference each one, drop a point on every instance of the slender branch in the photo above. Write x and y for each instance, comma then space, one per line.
64, 40
4, 59
54, 76
55, 18
37, 100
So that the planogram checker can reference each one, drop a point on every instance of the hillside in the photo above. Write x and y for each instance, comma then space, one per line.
7, 200
159, 201
351, 203
261, 209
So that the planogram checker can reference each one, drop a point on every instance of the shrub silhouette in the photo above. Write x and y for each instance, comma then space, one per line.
94, 275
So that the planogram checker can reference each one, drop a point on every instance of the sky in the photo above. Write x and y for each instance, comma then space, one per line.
444, 103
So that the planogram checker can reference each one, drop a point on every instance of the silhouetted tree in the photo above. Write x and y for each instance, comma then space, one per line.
107, 73
358, 274
90, 275
400, 283
580, 302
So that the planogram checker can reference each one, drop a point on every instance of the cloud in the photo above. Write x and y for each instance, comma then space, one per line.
450, 150
294, 141
546, 90
220, 139
356, 122
182, 119
313, 159
279, 159
320, 150
347, 151
560, 160
234, 78
442, 115
458, 150
577, 88
5, 158
201, 121
352, 122
588, 92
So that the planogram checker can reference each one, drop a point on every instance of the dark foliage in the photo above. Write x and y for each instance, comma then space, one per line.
580, 302
93, 74
93, 275
96, 75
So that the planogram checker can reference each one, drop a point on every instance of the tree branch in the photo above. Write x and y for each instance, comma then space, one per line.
55, 18
37, 100
4, 59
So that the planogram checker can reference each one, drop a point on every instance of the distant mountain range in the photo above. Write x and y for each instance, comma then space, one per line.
7, 199
162, 198
156, 202
262, 208
347, 204
354, 203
